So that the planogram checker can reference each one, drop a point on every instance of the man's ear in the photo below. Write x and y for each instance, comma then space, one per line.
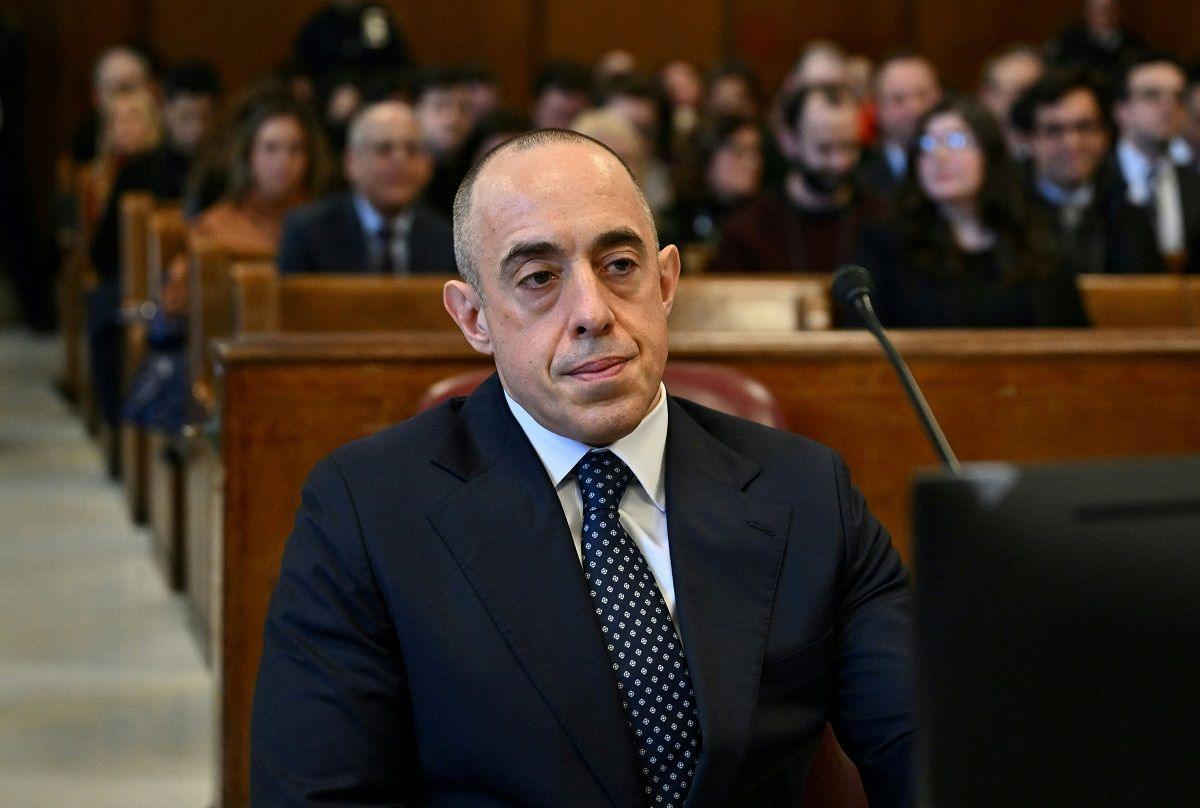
466, 308
668, 275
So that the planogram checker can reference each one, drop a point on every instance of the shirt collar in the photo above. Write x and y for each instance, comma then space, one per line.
897, 157
1137, 168
642, 450
372, 221
1081, 197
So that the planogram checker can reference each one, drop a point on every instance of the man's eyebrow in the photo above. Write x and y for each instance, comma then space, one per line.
523, 251
620, 237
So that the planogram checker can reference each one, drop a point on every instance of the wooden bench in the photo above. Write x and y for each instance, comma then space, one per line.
288, 399
136, 210
1141, 301
263, 302
166, 239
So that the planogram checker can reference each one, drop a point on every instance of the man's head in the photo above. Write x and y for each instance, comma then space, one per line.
821, 62
635, 97
190, 93
1063, 125
731, 88
385, 159
823, 143
564, 283
442, 101
906, 87
1149, 103
560, 94
120, 70
1006, 77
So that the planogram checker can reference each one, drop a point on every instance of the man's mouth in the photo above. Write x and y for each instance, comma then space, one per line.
596, 369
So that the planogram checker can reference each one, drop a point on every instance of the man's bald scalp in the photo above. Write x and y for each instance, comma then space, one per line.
466, 237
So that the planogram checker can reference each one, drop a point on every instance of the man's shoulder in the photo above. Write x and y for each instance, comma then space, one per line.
400, 450
328, 211
768, 446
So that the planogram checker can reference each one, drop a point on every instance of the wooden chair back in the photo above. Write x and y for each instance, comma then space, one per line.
264, 301
210, 308
743, 303
137, 208
166, 238
1138, 301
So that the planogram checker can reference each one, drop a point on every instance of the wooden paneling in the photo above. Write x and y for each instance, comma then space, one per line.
769, 34
1021, 396
652, 30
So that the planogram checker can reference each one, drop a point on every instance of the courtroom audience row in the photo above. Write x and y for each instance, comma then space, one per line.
1079, 158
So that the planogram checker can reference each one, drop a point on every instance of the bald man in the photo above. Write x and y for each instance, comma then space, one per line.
572, 588
378, 226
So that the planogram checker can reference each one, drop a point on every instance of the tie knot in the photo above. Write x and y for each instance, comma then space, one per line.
603, 478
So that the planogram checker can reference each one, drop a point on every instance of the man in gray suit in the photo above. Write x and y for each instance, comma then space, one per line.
378, 227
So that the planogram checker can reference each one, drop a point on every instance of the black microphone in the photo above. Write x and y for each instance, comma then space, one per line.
852, 285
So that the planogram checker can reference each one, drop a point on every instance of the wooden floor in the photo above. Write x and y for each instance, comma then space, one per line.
104, 697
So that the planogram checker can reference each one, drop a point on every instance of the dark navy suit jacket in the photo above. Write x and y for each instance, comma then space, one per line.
327, 236
431, 640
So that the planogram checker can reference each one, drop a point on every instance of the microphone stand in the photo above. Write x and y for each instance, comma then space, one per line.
862, 303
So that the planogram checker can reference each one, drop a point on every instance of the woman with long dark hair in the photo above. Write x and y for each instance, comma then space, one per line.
962, 248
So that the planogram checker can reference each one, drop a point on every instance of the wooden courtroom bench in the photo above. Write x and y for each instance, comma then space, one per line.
166, 238
288, 399
1141, 301
264, 301
136, 209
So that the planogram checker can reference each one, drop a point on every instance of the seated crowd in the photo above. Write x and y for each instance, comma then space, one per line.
971, 210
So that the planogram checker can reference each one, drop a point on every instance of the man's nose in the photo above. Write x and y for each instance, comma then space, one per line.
591, 312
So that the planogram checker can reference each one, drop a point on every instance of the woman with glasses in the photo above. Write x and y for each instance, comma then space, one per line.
962, 248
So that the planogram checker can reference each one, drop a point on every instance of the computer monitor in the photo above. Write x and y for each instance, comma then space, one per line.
1058, 634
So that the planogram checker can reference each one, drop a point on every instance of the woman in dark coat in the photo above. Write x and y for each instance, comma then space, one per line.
962, 249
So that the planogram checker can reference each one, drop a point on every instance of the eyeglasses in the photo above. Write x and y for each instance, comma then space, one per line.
954, 141
1058, 131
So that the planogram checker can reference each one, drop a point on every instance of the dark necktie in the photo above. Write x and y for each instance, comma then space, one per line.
647, 656
387, 264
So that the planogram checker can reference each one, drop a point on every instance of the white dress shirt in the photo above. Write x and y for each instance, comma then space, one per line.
897, 157
1154, 182
372, 221
643, 509
1071, 204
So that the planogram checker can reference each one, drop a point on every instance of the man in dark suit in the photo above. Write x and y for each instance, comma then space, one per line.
1061, 121
1158, 203
906, 87
812, 224
378, 226
571, 588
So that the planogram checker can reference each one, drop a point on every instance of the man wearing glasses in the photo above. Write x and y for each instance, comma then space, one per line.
1161, 202
1061, 122
379, 226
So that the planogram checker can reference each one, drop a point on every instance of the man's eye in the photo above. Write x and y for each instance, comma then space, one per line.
535, 279
622, 265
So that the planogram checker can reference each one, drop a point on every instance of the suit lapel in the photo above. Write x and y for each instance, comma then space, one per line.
726, 553
506, 530
352, 252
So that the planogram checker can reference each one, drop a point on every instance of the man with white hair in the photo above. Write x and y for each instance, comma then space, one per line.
378, 226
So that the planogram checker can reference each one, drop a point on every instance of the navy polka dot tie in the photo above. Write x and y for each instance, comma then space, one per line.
647, 656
